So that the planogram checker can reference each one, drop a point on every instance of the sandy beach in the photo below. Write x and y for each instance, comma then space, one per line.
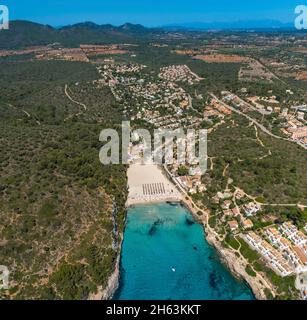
148, 184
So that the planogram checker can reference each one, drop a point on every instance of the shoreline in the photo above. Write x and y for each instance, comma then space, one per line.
140, 203
227, 256
108, 292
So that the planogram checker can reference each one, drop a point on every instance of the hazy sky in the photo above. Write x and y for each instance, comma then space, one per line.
150, 12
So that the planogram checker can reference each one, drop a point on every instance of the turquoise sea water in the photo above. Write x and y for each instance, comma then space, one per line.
165, 256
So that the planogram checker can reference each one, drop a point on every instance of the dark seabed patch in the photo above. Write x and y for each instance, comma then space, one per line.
189, 222
213, 280
153, 228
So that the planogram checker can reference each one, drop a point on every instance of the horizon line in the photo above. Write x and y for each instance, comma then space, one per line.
173, 25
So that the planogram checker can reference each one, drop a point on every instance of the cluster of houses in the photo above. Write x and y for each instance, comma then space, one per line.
172, 121
272, 256
161, 94
179, 73
259, 102
285, 250
111, 72
158, 101
294, 235
235, 101
233, 224
245, 223
251, 208
253, 103
294, 254
296, 125
216, 110
127, 86
125, 68
191, 183
295, 118
240, 214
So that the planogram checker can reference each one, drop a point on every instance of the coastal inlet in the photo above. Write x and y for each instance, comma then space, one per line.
165, 256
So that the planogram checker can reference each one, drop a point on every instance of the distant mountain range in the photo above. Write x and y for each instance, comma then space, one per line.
26, 33
235, 25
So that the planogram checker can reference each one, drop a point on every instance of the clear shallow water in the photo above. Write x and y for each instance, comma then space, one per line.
165, 256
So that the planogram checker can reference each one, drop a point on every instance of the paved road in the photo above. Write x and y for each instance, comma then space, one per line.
263, 112
259, 125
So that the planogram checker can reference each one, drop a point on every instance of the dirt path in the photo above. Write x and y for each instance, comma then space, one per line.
76, 102
271, 204
257, 137
211, 162
71, 99
25, 112
225, 170
262, 144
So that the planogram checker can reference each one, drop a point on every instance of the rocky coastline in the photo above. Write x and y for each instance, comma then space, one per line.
236, 265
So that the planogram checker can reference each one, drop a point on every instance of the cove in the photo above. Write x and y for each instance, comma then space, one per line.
165, 256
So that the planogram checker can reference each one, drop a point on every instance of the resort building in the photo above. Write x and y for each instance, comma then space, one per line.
293, 234
233, 225
273, 257
251, 208
247, 224
294, 255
